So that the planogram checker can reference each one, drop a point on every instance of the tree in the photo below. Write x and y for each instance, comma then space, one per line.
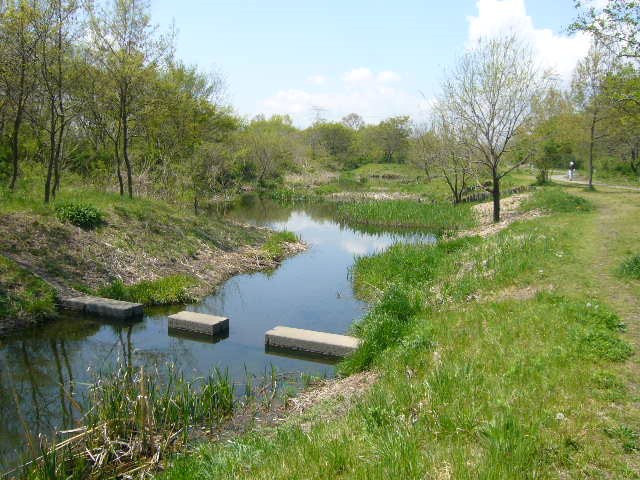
56, 28
125, 47
587, 87
555, 132
488, 96
424, 148
268, 146
451, 154
393, 138
353, 121
616, 26
18, 42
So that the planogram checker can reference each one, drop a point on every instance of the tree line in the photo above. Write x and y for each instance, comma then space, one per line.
95, 90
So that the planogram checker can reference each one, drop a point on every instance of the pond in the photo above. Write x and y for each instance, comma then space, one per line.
42, 370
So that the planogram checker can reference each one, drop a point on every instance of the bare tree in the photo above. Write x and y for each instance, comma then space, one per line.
452, 155
488, 95
353, 121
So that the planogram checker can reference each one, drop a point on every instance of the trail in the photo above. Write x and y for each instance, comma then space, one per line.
564, 180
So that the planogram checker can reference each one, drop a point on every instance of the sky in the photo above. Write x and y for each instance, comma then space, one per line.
376, 58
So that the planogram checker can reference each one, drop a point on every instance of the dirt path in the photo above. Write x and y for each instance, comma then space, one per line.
564, 180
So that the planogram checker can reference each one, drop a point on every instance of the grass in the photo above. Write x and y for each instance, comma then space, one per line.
170, 290
22, 295
509, 357
276, 246
556, 200
631, 267
131, 419
123, 238
435, 218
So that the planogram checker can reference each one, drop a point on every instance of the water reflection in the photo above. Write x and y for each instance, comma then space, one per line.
43, 371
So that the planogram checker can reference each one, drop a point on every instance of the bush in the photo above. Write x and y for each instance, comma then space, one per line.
80, 214
631, 267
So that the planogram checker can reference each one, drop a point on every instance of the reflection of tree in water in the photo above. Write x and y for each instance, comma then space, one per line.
44, 375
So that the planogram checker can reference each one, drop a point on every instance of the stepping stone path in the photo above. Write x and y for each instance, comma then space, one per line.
199, 323
103, 307
319, 343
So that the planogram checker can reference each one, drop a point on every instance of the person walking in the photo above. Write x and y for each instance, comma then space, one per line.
572, 169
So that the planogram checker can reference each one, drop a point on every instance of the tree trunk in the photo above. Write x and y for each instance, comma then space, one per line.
495, 192
592, 141
52, 151
15, 147
125, 139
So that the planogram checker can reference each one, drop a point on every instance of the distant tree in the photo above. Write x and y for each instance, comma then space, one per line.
452, 156
336, 138
393, 138
424, 148
267, 145
488, 96
587, 88
353, 121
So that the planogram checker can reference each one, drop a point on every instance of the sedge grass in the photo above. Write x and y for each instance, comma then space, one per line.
437, 218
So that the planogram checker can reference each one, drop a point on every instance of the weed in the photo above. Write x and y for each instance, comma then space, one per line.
631, 267
79, 214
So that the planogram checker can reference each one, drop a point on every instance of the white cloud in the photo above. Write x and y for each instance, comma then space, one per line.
373, 95
317, 79
388, 76
358, 75
557, 52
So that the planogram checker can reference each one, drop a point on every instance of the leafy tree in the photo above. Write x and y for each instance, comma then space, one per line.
587, 86
18, 41
393, 138
125, 47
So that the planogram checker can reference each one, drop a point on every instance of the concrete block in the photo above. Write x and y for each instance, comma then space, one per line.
198, 323
103, 307
319, 343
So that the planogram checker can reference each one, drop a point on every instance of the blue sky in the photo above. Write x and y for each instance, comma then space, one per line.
377, 58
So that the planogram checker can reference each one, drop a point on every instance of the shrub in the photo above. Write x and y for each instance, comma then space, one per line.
81, 215
631, 267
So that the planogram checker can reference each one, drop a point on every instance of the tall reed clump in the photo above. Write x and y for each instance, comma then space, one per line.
437, 218
133, 419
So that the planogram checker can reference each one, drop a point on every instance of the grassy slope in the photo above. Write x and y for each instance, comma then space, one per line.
153, 242
488, 378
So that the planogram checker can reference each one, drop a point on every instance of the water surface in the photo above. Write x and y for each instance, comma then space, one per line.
42, 369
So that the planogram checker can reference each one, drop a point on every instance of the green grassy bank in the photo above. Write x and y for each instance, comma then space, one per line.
506, 357
143, 250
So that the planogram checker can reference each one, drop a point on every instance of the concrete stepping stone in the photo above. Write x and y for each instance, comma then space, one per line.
319, 343
103, 307
199, 323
